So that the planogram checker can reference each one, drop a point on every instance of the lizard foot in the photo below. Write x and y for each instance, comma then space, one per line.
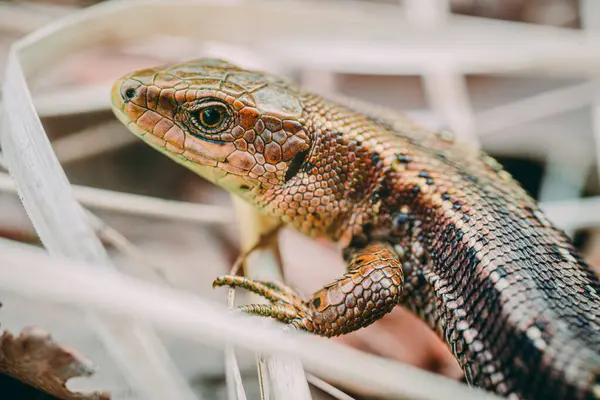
369, 290
285, 305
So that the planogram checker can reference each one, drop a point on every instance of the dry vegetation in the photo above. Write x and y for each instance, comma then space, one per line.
171, 233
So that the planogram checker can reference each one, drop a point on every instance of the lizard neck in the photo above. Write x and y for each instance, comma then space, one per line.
334, 192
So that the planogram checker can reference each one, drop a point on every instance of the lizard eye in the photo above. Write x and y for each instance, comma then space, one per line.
211, 116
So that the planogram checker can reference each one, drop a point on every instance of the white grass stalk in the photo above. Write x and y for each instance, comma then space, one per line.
383, 43
235, 387
590, 11
327, 388
446, 88
116, 239
68, 100
281, 378
92, 141
133, 204
20, 19
29, 271
63, 229
536, 107
233, 377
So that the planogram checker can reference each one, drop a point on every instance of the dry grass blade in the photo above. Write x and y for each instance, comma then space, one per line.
445, 87
68, 100
36, 359
536, 107
31, 272
574, 214
26, 19
327, 388
62, 228
134, 204
91, 142
108, 234
281, 378
500, 46
234, 381
113, 237
235, 387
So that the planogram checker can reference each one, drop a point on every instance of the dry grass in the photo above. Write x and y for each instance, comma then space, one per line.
125, 309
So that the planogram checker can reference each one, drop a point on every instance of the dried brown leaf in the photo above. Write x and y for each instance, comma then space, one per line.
36, 359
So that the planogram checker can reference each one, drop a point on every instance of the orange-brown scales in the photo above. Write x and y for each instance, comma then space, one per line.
423, 221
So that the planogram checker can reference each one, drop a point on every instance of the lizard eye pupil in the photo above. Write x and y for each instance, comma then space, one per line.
208, 116
130, 93
211, 117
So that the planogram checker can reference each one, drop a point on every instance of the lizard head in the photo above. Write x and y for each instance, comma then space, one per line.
292, 154
239, 129
242, 130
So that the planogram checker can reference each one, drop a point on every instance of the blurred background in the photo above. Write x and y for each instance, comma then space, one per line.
541, 123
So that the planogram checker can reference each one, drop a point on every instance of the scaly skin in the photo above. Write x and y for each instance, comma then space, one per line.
423, 221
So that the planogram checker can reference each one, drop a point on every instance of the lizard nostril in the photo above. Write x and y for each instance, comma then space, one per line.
129, 90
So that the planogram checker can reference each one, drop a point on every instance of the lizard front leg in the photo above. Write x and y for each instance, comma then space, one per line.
368, 290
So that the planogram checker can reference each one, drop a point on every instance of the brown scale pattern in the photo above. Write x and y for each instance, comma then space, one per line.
424, 222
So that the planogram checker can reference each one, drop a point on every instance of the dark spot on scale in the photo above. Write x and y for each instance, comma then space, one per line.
384, 191
421, 280
375, 158
445, 196
401, 218
430, 181
295, 165
424, 174
416, 189
404, 158
459, 234
399, 221
471, 178
376, 197
541, 325
317, 302
307, 166
317, 216
244, 187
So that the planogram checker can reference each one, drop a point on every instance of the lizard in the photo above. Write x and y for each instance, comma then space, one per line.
422, 220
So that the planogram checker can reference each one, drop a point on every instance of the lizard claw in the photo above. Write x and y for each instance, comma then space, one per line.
285, 305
